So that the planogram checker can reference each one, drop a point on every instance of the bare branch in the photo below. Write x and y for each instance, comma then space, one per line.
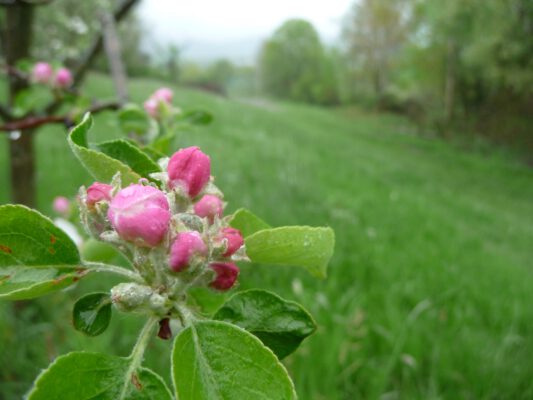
33, 121
13, 71
86, 60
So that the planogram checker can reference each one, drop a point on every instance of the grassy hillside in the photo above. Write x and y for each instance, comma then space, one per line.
430, 290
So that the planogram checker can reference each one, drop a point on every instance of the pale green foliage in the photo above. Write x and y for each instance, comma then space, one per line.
248, 223
304, 246
101, 166
293, 65
374, 32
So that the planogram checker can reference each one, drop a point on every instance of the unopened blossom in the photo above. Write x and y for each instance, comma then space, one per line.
226, 275
208, 207
185, 247
234, 240
63, 78
98, 192
42, 72
189, 169
140, 214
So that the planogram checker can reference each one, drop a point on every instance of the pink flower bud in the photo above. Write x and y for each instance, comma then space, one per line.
61, 205
208, 207
98, 192
140, 214
234, 240
63, 78
185, 247
190, 169
42, 72
226, 275
151, 106
163, 94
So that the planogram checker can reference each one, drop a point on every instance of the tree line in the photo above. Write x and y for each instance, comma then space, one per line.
458, 65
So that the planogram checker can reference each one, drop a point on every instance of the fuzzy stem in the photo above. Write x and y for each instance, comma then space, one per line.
137, 353
101, 267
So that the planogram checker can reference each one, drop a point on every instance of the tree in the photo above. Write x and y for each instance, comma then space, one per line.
374, 33
17, 38
293, 64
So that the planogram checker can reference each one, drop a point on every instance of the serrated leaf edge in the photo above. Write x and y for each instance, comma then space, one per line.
234, 327
328, 230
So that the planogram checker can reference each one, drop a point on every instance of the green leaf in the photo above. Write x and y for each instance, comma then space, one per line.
92, 313
248, 223
196, 117
100, 166
214, 360
280, 324
91, 376
130, 155
164, 143
98, 251
154, 154
301, 246
36, 257
34, 97
208, 301
24, 65
132, 119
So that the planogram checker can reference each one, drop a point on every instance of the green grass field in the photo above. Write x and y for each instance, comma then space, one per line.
430, 291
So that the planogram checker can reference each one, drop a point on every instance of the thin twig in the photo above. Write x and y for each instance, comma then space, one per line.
113, 269
90, 55
14, 71
36, 121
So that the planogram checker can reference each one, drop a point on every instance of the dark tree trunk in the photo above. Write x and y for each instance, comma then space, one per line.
22, 156
16, 40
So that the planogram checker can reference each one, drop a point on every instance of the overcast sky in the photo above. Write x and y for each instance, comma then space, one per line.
209, 29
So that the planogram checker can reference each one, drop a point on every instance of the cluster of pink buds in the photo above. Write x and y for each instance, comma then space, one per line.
44, 73
174, 233
160, 99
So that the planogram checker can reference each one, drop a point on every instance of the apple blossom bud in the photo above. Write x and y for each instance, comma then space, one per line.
186, 246
226, 275
133, 297
42, 72
163, 94
61, 205
208, 207
63, 78
140, 214
234, 240
98, 192
189, 169
151, 106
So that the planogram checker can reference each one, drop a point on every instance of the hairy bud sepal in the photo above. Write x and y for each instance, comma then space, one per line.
190, 170
141, 299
